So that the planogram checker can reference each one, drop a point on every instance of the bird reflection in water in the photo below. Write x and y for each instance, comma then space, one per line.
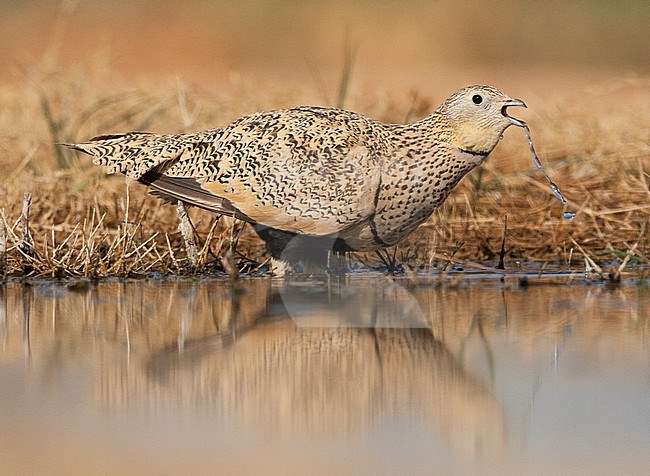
300, 366
304, 358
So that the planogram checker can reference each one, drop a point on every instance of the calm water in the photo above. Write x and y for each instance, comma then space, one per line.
370, 377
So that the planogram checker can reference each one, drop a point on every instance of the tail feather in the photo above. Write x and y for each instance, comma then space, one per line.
132, 153
144, 157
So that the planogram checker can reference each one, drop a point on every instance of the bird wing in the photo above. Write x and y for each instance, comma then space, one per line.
305, 170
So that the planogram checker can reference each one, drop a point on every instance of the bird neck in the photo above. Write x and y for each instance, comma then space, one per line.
429, 154
432, 129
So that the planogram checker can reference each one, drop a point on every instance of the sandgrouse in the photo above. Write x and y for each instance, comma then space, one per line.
312, 179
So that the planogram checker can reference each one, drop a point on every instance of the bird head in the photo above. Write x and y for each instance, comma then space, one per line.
477, 116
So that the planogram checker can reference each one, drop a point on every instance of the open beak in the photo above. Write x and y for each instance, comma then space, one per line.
513, 102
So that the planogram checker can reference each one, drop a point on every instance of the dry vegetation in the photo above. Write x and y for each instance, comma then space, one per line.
592, 138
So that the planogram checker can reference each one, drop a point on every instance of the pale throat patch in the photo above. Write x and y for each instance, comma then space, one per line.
474, 140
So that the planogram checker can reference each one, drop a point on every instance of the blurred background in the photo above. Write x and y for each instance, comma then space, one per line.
432, 46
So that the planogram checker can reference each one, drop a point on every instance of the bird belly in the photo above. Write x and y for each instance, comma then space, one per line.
361, 237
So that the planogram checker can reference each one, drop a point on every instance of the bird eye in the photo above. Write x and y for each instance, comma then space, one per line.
477, 99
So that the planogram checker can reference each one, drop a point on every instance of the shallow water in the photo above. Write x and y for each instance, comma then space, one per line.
368, 377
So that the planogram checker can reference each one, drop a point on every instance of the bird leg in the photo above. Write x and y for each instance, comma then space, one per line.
187, 232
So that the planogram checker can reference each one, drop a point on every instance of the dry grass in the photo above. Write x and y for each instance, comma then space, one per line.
592, 138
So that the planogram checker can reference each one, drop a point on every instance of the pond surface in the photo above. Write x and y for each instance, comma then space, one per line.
370, 376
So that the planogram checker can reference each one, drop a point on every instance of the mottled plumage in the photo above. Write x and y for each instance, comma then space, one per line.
317, 177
